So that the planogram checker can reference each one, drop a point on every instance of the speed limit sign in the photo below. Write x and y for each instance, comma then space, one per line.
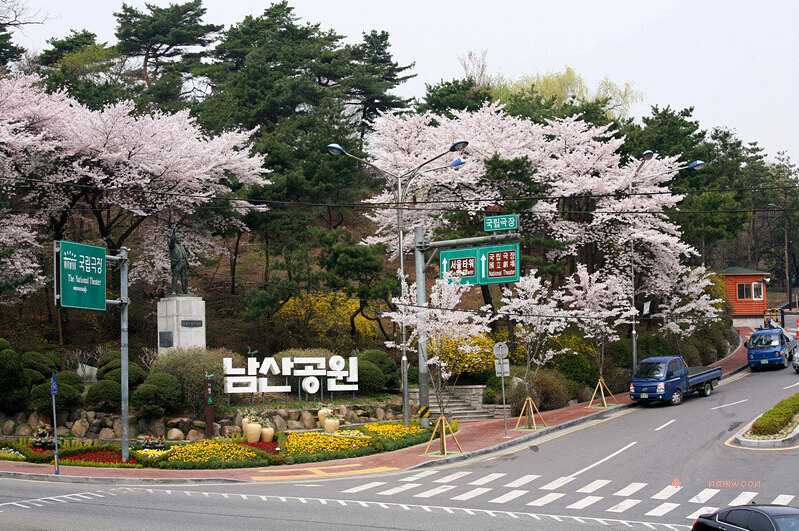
501, 350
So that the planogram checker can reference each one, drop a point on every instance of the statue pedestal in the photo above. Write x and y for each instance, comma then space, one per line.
181, 322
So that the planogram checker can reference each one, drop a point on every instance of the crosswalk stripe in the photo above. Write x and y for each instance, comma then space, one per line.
783, 499
547, 498
623, 506
585, 502
367, 486
432, 492
630, 489
667, 493
704, 496
556, 484
524, 480
594, 486
401, 488
420, 475
451, 477
704, 510
471, 494
743, 498
487, 479
662, 509
512, 495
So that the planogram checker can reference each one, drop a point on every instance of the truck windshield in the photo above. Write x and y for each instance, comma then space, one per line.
765, 340
651, 370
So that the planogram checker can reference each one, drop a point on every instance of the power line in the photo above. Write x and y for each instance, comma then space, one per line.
507, 314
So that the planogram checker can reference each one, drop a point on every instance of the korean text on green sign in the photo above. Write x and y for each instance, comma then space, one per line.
81, 272
490, 264
501, 222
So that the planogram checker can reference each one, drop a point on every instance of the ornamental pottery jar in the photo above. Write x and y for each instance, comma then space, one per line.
267, 434
323, 414
252, 432
331, 425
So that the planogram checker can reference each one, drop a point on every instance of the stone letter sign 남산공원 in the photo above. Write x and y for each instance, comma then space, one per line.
260, 376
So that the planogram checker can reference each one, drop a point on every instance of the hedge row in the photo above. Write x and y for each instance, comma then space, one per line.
775, 419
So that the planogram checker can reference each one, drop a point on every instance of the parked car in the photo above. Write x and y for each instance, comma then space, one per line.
751, 518
770, 345
669, 379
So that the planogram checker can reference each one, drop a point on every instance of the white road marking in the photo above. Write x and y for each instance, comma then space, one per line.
594, 486
432, 492
662, 509
630, 489
790, 386
420, 475
730, 404
451, 477
783, 499
585, 502
667, 493
401, 488
743, 498
704, 496
552, 485
704, 510
623, 506
524, 480
672, 421
547, 498
611, 456
367, 486
512, 495
471, 494
487, 479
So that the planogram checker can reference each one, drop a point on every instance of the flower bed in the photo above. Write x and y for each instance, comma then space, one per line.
204, 451
393, 431
309, 443
777, 418
268, 447
108, 457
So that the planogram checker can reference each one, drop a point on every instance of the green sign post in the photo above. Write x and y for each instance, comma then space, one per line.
501, 222
490, 264
81, 273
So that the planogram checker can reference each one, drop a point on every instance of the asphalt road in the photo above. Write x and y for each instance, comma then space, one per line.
641, 468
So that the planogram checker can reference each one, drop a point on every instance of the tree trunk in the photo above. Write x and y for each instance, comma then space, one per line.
234, 258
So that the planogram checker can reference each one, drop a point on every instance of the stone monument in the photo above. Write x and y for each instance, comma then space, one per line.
181, 317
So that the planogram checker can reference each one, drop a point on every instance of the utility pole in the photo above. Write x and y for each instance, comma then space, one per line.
123, 343
421, 300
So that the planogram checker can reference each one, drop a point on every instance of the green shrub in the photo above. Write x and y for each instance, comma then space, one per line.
40, 362
370, 378
14, 382
775, 419
577, 367
4, 344
159, 394
551, 390
708, 354
189, 367
386, 365
691, 355
109, 356
136, 375
35, 377
70, 378
105, 396
108, 367
67, 399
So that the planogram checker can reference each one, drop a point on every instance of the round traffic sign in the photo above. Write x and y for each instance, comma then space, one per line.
501, 350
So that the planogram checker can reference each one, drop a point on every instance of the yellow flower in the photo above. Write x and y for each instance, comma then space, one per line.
308, 443
393, 430
204, 451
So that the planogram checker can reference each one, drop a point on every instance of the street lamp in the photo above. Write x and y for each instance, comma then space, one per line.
458, 145
645, 157
785, 222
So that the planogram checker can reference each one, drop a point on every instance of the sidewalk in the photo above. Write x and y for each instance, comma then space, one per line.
473, 437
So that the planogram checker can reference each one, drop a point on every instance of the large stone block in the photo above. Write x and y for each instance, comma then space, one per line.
23, 430
295, 425
181, 322
174, 434
195, 435
79, 428
308, 420
8, 427
106, 434
279, 423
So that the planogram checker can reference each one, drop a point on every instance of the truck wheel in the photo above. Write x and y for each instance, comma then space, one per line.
707, 389
676, 398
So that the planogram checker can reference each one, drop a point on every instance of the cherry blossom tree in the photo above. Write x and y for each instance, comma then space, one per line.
690, 305
20, 271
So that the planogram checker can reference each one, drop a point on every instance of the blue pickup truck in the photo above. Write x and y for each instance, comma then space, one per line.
770, 345
669, 379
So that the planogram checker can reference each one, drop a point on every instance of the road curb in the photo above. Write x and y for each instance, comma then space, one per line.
114, 480
520, 440
785, 442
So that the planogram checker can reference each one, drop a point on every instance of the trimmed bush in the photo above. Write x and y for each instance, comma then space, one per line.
35, 377
67, 399
691, 355
159, 394
70, 378
104, 396
551, 390
577, 367
384, 362
136, 375
14, 382
778, 417
40, 362
370, 378
108, 367
109, 356
4, 344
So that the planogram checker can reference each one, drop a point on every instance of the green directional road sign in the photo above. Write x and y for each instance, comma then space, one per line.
491, 264
501, 222
81, 273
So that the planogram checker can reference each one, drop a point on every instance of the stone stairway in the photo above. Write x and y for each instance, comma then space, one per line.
460, 410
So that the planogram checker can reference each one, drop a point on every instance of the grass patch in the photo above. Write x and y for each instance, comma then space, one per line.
778, 417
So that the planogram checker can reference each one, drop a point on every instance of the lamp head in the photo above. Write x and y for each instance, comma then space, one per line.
336, 149
647, 155
458, 145
696, 164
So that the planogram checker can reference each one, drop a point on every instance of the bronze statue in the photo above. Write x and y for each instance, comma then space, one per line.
178, 262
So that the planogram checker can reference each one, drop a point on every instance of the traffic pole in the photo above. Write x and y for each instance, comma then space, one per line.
53, 392
421, 300
123, 298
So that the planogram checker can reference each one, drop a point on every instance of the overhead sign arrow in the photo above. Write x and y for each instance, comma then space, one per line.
483, 265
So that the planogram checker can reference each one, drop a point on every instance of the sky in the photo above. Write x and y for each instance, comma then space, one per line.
734, 61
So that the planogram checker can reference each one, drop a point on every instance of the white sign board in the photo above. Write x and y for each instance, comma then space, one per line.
502, 367
267, 376
501, 350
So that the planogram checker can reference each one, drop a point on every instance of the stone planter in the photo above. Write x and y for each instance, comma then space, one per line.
331, 425
252, 432
267, 434
785, 442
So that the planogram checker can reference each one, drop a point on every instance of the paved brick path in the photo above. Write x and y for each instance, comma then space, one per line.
472, 436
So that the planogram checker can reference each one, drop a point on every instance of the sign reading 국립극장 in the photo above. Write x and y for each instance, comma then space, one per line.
262, 376
501, 222
81, 273
491, 264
